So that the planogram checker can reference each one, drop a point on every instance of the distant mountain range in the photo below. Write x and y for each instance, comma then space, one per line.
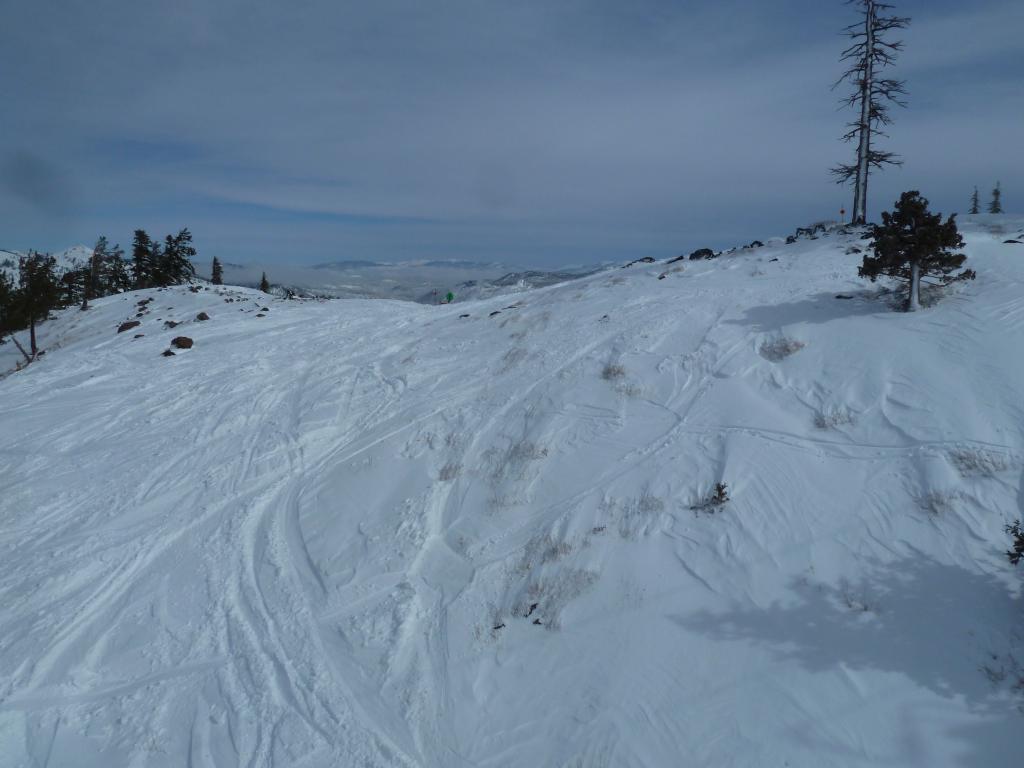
425, 282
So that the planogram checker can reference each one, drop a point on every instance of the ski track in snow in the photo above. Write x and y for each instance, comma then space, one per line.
322, 537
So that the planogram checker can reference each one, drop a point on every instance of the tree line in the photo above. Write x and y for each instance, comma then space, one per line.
40, 288
995, 205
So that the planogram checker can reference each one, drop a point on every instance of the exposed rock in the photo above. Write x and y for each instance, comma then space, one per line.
171, 324
756, 244
168, 353
702, 253
128, 326
138, 335
677, 258
182, 342
202, 316
644, 260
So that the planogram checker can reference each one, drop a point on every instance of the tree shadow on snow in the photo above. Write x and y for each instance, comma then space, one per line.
817, 309
950, 630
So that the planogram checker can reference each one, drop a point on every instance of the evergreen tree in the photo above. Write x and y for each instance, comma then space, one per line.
94, 270
216, 272
176, 262
264, 283
142, 259
872, 94
8, 296
116, 278
38, 290
912, 243
71, 285
974, 202
156, 265
996, 205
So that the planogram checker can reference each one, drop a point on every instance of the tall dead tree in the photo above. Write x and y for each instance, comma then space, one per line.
868, 55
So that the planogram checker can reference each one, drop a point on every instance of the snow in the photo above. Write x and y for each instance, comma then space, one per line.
322, 537
70, 258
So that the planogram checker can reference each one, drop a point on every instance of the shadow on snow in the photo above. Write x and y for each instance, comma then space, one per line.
950, 630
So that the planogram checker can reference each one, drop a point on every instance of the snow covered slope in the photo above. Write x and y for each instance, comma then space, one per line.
70, 258
373, 533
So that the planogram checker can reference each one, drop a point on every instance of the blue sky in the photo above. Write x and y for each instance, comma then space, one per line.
539, 132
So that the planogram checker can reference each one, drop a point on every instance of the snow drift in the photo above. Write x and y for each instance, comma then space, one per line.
382, 534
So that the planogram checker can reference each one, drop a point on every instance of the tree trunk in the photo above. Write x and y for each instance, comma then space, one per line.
21, 348
32, 335
90, 282
913, 301
860, 202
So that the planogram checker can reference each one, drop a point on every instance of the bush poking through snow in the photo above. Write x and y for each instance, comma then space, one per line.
779, 349
1016, 553
613, 372
827, 418
449, 472
717, 499
939, 502
974, 462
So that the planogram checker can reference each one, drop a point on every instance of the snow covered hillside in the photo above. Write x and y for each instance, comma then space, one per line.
70, 258
374, 533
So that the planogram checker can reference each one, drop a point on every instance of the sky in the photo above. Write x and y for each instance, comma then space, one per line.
531, 132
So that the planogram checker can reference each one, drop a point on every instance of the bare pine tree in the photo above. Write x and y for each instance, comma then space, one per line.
868, 55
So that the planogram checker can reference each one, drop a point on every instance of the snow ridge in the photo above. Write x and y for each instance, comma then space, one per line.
385, 534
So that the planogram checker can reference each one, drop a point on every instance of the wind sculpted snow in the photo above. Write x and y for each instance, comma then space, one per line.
383, 534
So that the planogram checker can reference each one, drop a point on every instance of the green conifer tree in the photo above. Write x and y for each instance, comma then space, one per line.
996, 204
142, 260
912, 243
38, 289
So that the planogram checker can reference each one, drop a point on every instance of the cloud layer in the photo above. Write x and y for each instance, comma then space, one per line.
530, 132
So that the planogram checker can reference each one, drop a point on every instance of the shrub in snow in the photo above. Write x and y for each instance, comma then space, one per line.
912, 243
128, 326
939, 502
182, 342
449, 471
973, 462
613, 371
716, 500
779, 349
827, 418
1016, 552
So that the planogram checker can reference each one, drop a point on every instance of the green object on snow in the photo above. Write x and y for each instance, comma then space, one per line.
450, 297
